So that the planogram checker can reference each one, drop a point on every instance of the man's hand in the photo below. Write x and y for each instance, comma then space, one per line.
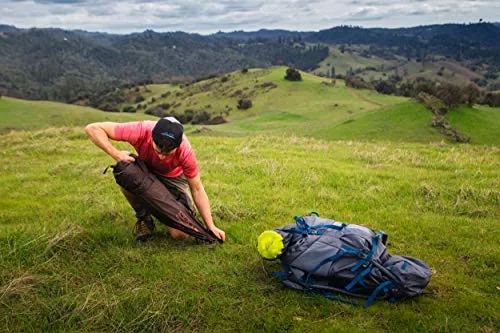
218, 233
124, 156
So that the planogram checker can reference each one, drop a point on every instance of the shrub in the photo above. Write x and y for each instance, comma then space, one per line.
385, 87
293, 75
155, 111
139, 99
164, 106
331, 83
201, 117
129, 109
491, 99
189, 115
110, 108
244, 104
268, 84
406, 89
216, 121
244, 70
153, 100
224, 79
236, 93
424, 85
357, 82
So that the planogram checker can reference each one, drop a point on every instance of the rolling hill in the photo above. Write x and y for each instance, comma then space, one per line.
16, 114
310, 108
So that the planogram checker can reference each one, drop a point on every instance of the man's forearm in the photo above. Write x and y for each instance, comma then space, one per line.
201, 201
101, 140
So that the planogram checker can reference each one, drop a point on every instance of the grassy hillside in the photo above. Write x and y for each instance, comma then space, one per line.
70, 262
16, 114
311, 108
481, 122
350, 59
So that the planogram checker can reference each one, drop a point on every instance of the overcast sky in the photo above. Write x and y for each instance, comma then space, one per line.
208, 16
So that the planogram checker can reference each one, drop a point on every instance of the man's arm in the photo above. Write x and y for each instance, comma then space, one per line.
201, 201
100, 133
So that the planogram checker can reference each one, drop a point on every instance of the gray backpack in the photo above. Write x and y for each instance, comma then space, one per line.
325, 256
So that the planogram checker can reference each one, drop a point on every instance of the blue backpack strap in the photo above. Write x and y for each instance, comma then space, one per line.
325, 261
329, 226
305, 228
295, 231
358, 278
366, 261
350, 250
340, 299
285, 273
383, 286
301, 224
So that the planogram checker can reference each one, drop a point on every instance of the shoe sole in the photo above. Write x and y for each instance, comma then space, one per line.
144, 238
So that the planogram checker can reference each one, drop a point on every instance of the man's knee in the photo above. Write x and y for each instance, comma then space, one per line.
177, 234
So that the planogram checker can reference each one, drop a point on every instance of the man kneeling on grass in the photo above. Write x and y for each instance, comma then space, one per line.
168, 154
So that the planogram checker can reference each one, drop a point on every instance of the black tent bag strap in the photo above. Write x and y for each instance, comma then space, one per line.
156, 198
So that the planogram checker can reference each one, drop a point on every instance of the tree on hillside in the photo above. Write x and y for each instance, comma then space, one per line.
244, 104
491, 99
357, 82
332, 75
385, 87
293, 75
471, 94
450, 94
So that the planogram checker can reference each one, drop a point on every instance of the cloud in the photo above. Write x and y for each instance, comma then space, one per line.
212, 15
377, 10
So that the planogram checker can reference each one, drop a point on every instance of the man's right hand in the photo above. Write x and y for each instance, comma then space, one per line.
124, 156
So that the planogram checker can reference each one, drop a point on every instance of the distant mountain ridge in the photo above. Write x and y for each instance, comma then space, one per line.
58, 64
264, 34
8, 28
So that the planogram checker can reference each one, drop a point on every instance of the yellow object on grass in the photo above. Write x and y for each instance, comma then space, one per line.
270, 244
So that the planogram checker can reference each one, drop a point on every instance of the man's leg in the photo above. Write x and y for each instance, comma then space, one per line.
144, 225
179, 187
134, 201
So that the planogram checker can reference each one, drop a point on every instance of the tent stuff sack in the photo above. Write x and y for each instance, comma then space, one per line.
156, 198
328, 257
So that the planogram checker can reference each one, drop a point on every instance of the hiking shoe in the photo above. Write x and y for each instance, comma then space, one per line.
144, 229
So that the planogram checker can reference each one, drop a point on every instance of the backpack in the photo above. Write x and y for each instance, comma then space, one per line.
136, 178
324, 256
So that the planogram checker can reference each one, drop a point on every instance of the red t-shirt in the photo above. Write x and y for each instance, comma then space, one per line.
138, 134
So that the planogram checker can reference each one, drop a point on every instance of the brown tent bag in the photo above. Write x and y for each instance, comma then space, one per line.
156, 198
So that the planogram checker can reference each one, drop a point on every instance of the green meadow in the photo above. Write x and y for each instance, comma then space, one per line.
70, 262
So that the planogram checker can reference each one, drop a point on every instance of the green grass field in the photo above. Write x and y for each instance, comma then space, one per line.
70, 262
350, 59
17, 114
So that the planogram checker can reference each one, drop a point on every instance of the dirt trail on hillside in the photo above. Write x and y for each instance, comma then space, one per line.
354, 93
